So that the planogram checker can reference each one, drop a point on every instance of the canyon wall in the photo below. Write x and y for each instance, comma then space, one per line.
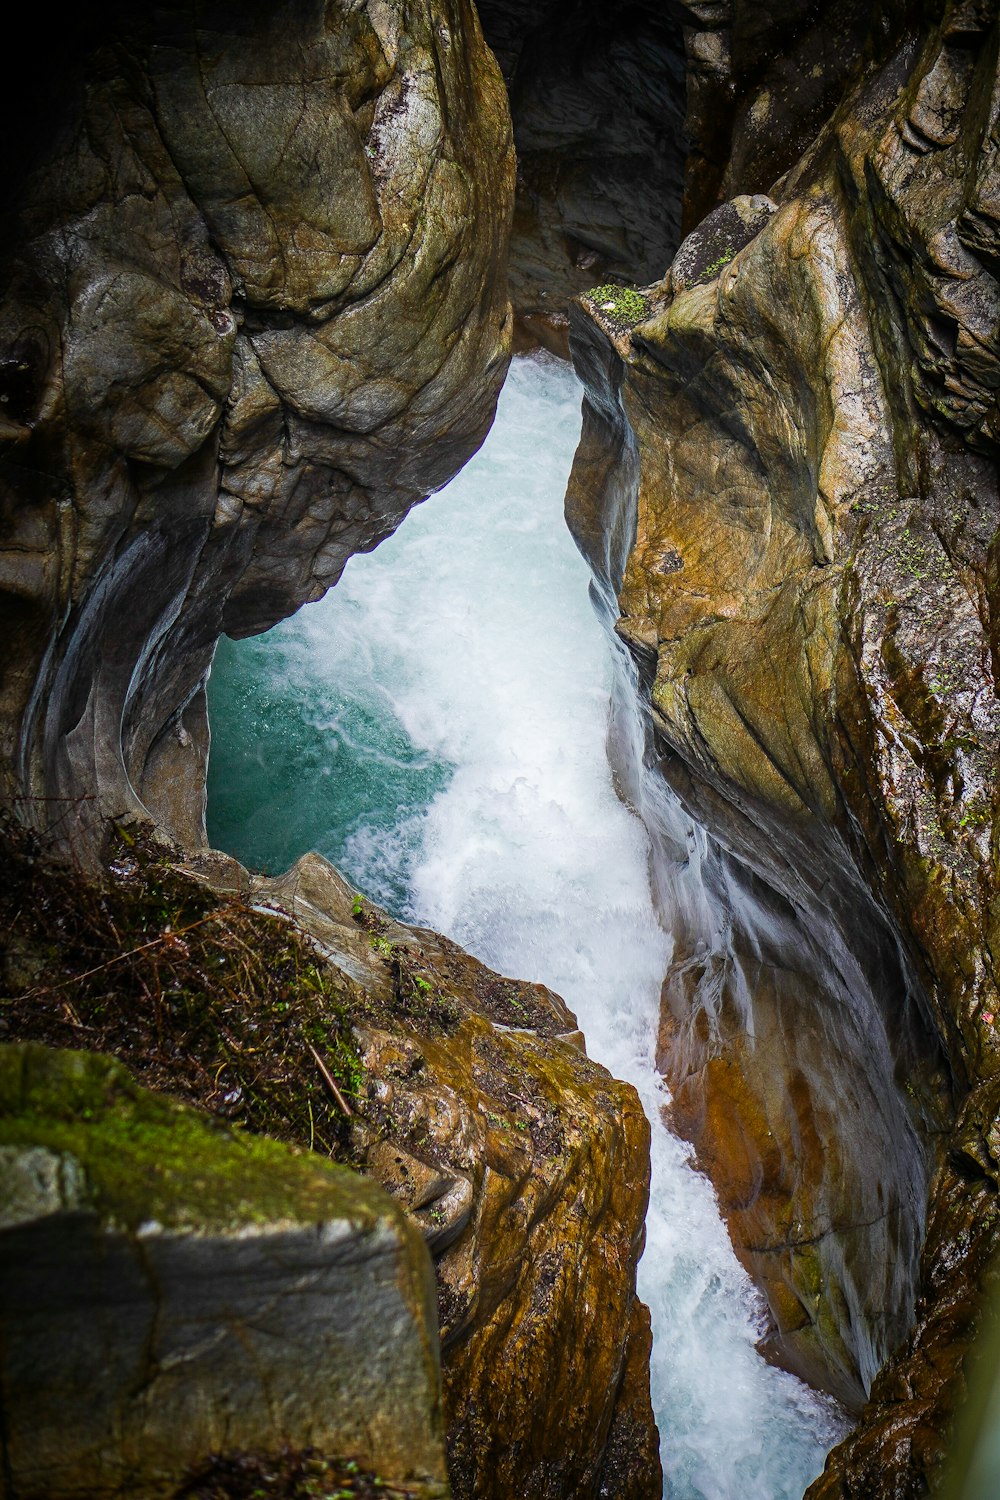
787, 489
255, 308
597, 97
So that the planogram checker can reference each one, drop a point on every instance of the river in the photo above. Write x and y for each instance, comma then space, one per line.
437, 726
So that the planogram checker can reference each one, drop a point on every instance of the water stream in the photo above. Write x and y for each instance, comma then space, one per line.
437, 726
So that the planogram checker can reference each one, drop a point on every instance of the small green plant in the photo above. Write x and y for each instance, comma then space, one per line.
710, 272
414, 995
621, 306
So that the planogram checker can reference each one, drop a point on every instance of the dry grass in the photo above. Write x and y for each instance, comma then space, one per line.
206, 998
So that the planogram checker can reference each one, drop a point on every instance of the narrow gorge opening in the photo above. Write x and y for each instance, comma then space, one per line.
260, 268
438, 727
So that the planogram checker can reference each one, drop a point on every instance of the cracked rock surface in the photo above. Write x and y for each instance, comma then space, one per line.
255, 309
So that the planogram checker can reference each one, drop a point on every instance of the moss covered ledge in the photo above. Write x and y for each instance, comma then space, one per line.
172, 1289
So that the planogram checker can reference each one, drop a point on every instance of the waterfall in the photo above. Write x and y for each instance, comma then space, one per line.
438, 727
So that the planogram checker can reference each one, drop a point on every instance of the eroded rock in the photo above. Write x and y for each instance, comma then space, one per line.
787, 488
255, 310
527, 1168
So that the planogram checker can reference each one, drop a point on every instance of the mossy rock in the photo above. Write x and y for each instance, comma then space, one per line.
620, 306
146, 1157
171, 1289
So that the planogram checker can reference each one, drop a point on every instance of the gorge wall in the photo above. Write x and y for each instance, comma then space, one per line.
597, 96
787, 488
255, 308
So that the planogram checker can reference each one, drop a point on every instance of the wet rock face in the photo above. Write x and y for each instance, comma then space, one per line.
256, 309
527, 1169
787, 484
597, 96
172, 1290
906, 1431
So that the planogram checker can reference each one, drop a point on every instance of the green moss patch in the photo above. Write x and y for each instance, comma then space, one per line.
621, 306
147, 1157
206, 998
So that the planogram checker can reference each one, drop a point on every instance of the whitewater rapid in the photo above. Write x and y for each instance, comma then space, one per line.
437, 726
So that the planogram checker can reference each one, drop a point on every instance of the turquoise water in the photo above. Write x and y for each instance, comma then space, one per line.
437, 726
300, 764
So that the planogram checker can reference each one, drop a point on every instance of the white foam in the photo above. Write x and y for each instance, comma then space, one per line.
474, 624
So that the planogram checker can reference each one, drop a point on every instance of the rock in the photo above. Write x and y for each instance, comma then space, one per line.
761, 83
906, 1431
786, 488
527, 1168
297, 1008
597, 96
255, 309
173, 1289
708, 249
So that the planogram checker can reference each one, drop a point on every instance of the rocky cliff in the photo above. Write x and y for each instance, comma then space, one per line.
787, 487
254, 309
236, 1296
173, 1289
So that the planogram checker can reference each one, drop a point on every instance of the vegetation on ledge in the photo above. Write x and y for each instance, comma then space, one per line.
207, 998
621, 306
287, 1476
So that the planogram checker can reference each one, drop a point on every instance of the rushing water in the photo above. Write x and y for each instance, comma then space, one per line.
437, 726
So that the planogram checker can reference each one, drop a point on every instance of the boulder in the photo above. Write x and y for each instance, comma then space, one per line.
173, 1289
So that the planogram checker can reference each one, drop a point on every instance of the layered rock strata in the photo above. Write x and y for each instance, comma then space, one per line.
787, 486
255, 309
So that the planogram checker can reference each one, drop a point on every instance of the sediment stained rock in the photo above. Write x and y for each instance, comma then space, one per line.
255, 309
787, 487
